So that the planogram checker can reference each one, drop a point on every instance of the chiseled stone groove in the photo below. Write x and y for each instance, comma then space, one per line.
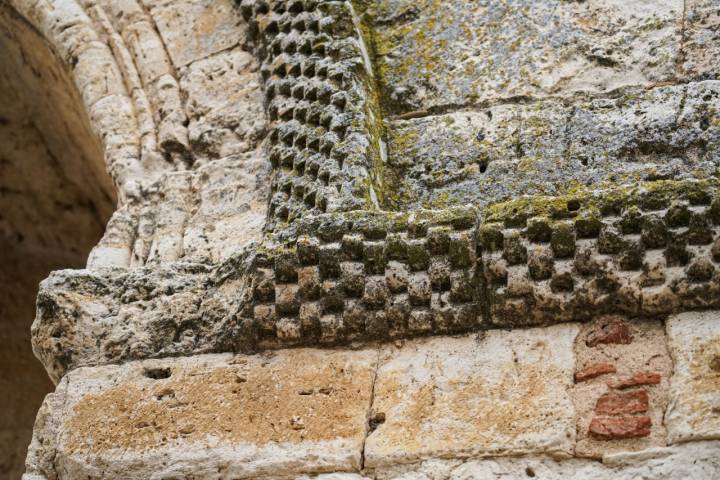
316, 78
358, 276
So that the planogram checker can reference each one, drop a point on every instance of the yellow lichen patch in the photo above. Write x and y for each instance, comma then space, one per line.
297, 396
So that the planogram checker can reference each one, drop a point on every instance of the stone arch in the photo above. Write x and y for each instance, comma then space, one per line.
156, 130
55, 199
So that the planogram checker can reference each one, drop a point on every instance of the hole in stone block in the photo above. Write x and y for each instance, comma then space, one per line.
376, 419
157, 373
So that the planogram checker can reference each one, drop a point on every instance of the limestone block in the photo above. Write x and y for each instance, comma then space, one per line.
147, 50
112, 315
694, 410
698, 460
432, 53
504, 392
114, 121
224, 104
213, 416
550, 147
195, 29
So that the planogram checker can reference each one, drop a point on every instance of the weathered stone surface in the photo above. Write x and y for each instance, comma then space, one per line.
224, 104
213, 416
599, 101
612, 421
701, 39
694, 410
497, 393
90, 318
432, 53
551, 147
202, 216
698, 460
195, 29
637, 379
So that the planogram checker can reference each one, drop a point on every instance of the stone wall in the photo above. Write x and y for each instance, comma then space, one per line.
390, 239
610, 398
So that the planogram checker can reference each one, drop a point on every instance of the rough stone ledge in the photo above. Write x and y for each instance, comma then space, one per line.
646, 251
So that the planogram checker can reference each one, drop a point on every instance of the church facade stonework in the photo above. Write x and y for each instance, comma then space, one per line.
389, 239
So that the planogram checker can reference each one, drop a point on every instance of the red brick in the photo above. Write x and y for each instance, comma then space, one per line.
619, 403
593, 371
616, 428
613, 331
640, 378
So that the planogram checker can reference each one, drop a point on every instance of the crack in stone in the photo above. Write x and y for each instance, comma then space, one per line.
368, 418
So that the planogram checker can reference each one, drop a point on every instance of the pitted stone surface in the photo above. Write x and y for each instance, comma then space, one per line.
242, 417
224, 104
491, 394
432, 53
694, 410
195, 29
552, 147
701, 39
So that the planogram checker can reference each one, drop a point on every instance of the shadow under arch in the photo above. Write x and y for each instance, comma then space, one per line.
55, 200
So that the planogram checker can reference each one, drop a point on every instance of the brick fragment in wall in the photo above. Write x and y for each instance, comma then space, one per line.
637, 379
622, 403
609, 331
600, 410
593, 371
618, 428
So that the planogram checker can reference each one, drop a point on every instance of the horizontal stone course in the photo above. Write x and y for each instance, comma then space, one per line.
336, 278
424, 408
